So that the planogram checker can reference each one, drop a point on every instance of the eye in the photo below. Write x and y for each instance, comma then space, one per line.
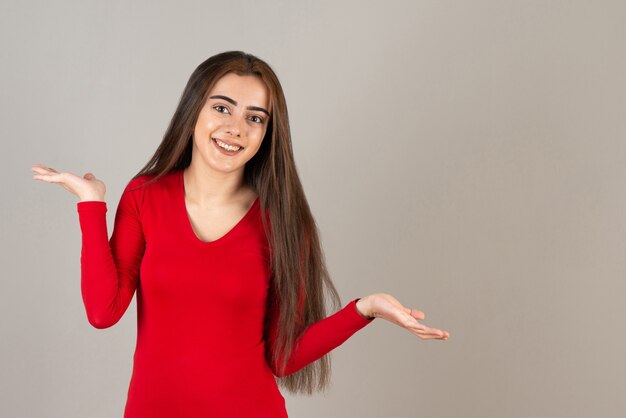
256, 119
218, 107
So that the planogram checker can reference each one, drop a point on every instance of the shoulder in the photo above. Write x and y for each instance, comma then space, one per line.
146, 181
146, 190
138, 181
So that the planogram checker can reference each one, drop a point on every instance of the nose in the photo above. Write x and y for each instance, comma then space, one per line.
234, 127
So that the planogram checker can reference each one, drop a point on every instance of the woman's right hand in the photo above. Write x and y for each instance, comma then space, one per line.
86, 188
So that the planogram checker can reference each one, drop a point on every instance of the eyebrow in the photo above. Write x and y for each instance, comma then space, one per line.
228, 99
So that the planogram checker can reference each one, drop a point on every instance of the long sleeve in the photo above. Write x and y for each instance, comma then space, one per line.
110, 269
320, 337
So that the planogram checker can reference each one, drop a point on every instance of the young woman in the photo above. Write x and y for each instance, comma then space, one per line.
216, 236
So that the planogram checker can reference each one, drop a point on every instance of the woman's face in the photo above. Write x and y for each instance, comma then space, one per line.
236, 116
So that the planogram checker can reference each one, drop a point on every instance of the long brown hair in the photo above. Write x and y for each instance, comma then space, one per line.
299, 273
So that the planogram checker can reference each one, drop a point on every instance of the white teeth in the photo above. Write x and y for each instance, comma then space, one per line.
226, 146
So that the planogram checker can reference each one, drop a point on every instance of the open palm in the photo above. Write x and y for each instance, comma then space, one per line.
383, 305
87, 187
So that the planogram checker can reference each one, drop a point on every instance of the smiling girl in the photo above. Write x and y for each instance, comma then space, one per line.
216, 237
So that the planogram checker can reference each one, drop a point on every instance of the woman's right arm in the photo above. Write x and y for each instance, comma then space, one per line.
110, 269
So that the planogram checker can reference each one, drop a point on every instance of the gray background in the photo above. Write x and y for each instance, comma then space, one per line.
466, 157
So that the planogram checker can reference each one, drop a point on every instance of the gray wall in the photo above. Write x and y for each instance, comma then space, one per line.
466, 157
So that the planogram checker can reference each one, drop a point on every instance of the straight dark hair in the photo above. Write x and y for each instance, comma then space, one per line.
300, 278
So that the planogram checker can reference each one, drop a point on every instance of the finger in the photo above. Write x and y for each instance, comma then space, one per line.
422, 329
39, 169
431, 330
434, 338
424, 335
442, 335
435, 331
413, 324
416, 313
430, 336
44, 170
50, 178
412, 321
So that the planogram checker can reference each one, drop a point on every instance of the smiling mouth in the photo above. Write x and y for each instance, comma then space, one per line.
229, 149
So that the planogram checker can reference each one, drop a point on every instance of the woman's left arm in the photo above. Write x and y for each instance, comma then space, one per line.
317, 339
322, 336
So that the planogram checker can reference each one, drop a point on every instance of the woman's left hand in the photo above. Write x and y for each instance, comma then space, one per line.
382, 305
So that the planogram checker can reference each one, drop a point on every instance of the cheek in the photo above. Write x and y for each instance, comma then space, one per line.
258, 140
253, 147
205, 123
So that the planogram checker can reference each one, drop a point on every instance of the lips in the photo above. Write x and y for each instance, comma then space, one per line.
232, 144
225, 151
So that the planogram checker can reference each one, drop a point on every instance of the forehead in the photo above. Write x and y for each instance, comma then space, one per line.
246, 90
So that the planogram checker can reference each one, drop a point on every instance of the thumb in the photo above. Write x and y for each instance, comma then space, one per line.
89, 176
415, 313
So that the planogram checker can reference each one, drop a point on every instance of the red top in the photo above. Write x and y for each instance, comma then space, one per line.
201, 306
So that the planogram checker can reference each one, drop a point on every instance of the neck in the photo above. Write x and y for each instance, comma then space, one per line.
208, 187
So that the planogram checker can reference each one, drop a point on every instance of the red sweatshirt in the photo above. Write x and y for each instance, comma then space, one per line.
201, 306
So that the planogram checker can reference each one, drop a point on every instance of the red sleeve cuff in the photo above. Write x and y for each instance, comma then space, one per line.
363, 318
97, 205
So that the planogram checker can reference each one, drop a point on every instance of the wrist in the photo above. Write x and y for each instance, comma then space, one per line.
363, 308
92, 198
